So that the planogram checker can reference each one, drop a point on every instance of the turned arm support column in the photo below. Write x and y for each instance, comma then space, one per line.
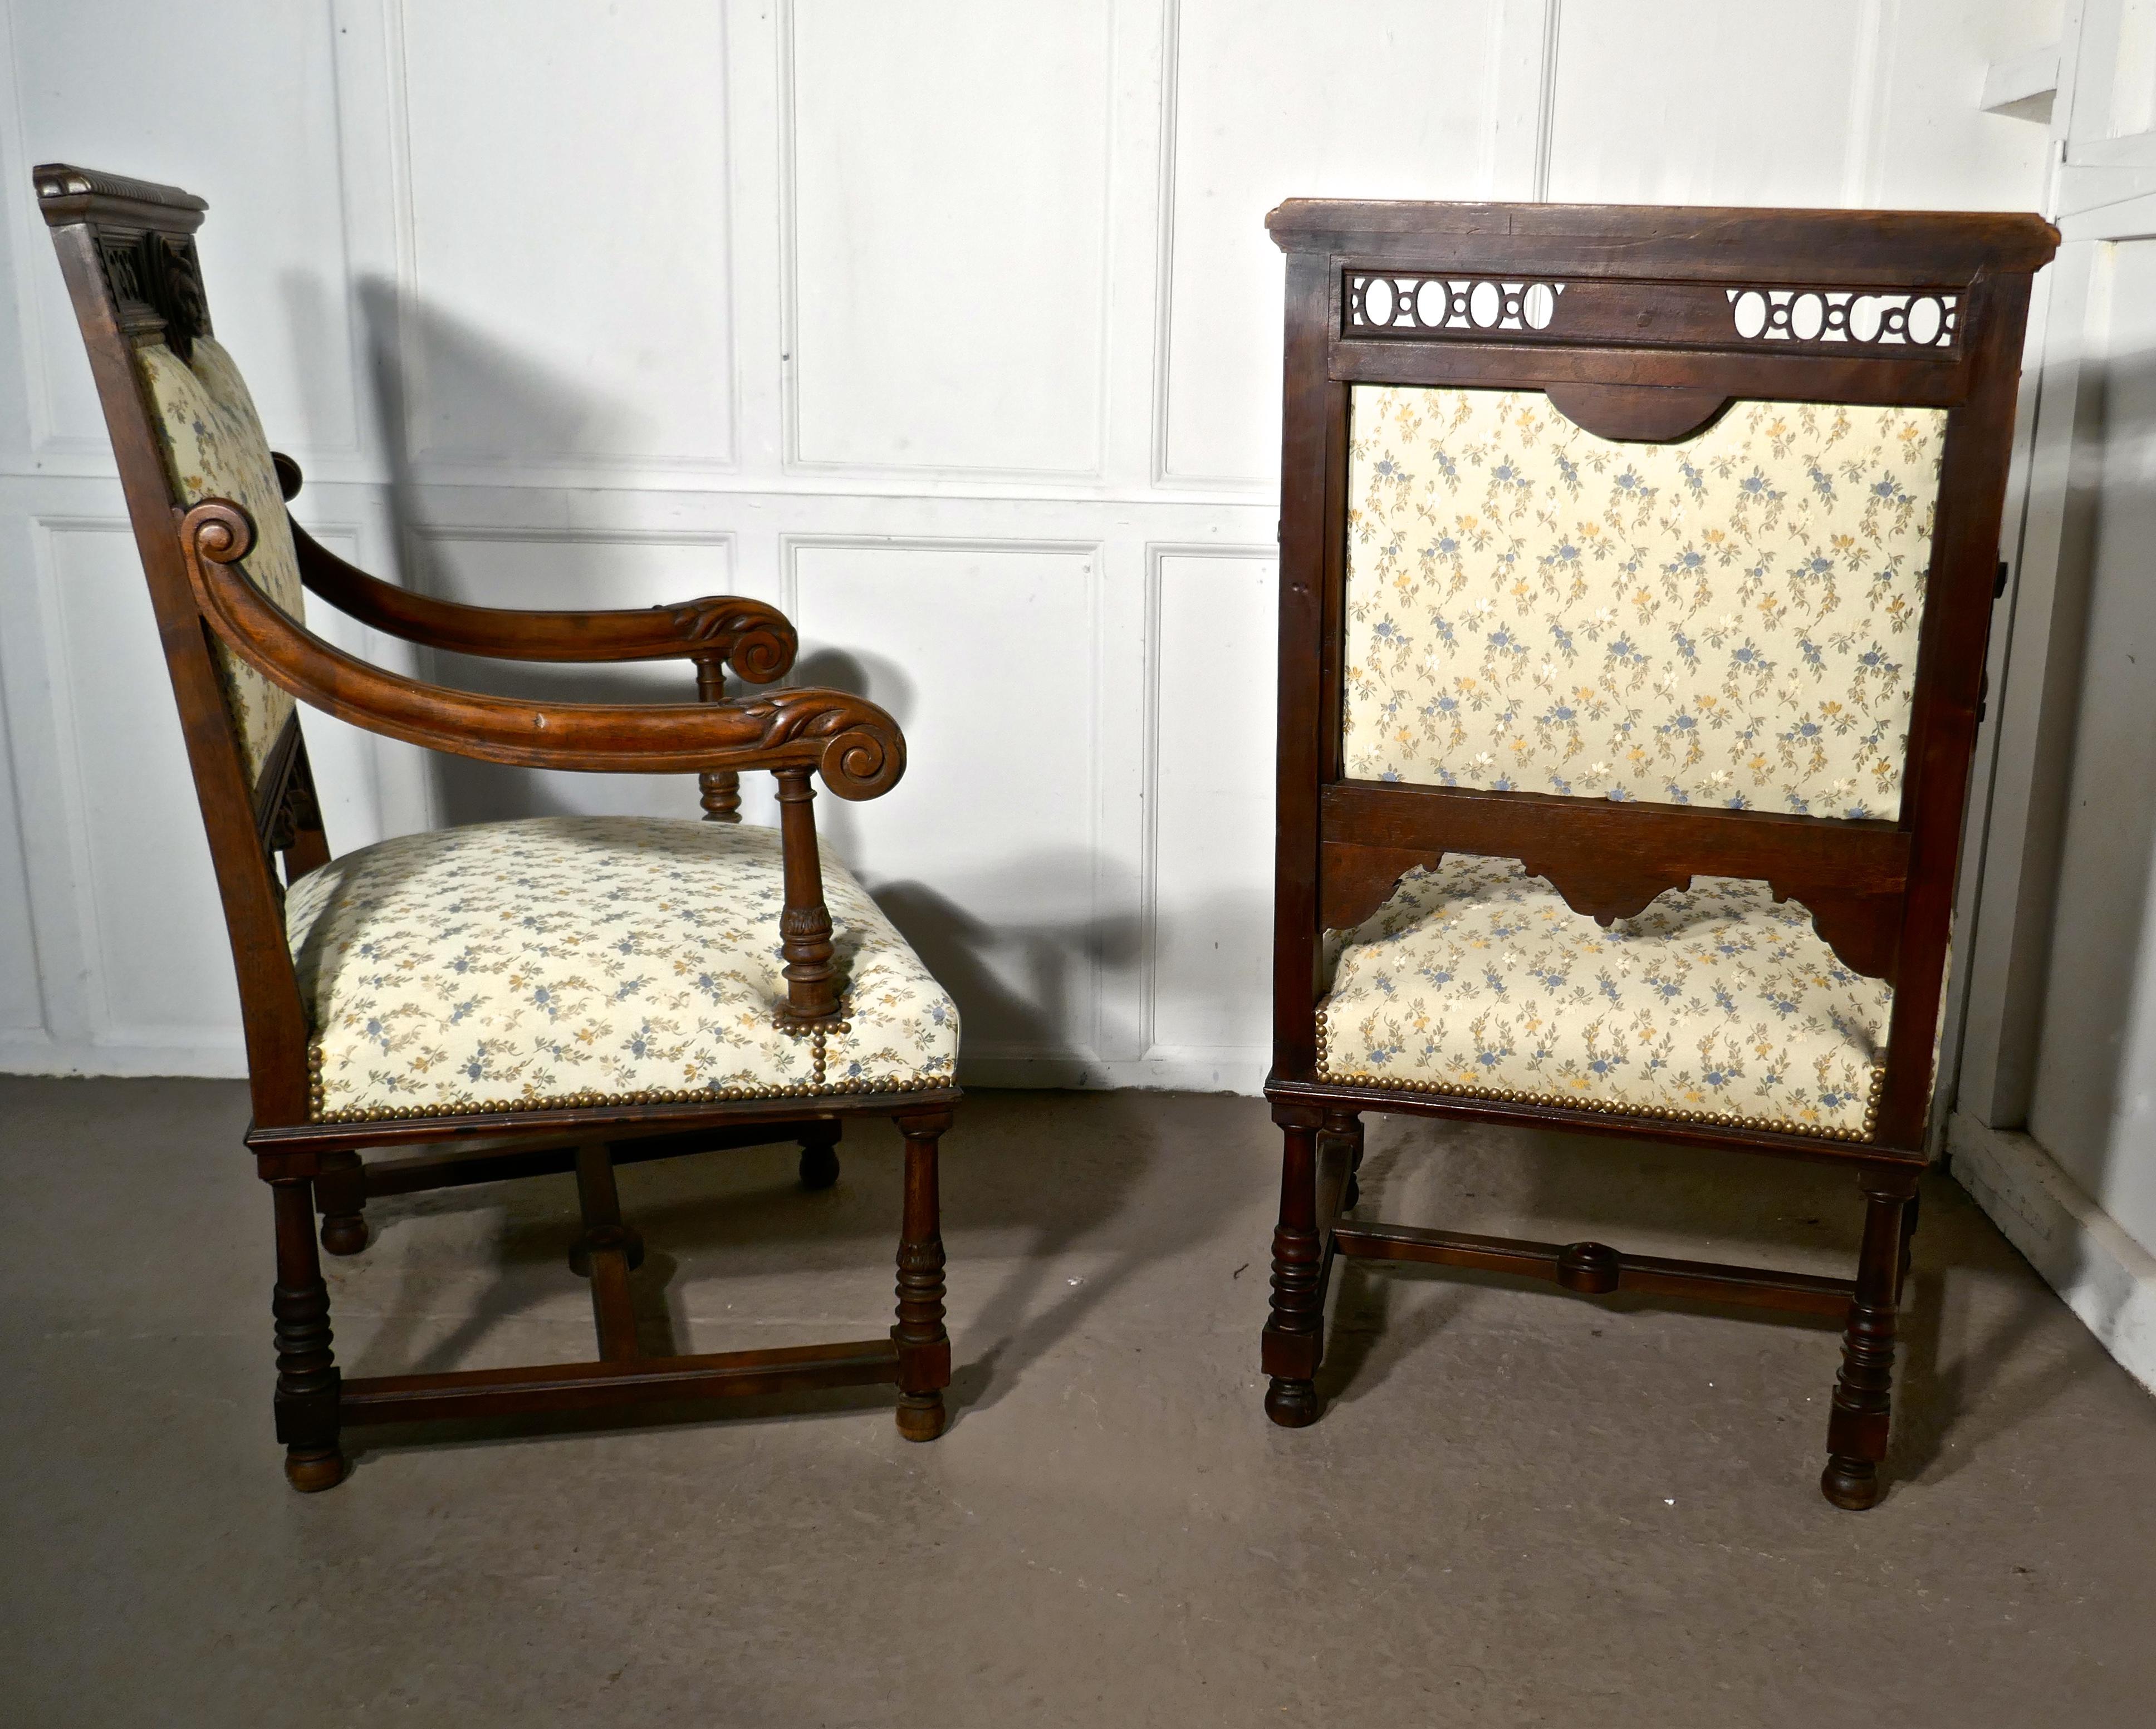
804, 926
720, 786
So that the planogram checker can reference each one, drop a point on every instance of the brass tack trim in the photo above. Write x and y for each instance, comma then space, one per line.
1607, 1107
816, 1087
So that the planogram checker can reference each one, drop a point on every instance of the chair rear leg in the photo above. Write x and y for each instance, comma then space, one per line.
819, 1155
1908, 1244
1346, 1126
1294, 1341
307, 1382
1863, 1394
924, 1347
341, 1198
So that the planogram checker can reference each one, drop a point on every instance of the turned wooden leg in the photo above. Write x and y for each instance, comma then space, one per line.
924, 1348
720, 788
1863, 1393
1293, 1342
819, 1155
1346, 1126
307, 1388
341, 1198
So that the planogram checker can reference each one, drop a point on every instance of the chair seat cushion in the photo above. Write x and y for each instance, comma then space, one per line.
1716, 1003
577, 961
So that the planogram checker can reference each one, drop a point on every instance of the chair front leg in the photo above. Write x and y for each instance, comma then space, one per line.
1294, 1341
1864, 1391
924, 1347
307, 1381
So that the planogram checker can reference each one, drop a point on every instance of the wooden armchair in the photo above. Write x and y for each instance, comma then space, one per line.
1638, 567
565, 993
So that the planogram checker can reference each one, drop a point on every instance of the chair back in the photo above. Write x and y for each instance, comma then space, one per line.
183, 429
1636, 543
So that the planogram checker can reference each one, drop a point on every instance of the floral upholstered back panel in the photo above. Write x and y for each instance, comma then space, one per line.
1730, 619
214, 447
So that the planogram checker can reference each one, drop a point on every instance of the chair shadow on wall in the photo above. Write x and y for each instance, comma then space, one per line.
1013, 982
510, 408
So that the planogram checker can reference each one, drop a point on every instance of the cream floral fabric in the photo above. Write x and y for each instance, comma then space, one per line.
1728, 620
567, 960
214, 447
1715, 1003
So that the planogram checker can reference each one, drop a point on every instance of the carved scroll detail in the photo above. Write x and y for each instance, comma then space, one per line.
156, 287
862, 756
757, 641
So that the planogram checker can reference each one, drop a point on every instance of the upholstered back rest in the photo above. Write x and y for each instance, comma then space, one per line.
1731, 619
1641, 545
184, 429
214, 447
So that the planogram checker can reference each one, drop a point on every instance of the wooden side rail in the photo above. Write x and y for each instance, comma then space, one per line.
500, 1161
587, 1386
1610, 860
1596, 1270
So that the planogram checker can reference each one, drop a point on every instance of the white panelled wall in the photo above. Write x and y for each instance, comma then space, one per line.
950, 327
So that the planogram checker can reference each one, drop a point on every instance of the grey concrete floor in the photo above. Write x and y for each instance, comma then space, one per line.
1520, 1508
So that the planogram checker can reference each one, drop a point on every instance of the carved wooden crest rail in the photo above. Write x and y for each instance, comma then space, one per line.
1419, 307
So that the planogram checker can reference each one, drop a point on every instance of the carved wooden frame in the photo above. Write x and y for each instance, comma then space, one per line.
127, 251
1654, 321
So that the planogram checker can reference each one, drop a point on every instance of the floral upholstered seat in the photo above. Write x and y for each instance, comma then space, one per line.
1716, 1003
574, 961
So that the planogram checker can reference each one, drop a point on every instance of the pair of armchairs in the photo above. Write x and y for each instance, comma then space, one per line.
1636, 577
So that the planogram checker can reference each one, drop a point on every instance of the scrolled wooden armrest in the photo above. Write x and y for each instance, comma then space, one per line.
856, 748
756, 640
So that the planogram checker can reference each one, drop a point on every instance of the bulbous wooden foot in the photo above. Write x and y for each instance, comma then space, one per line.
312, 1470
1292, 1404
921, 1416
344, 1233
1851, 1484
819, 1165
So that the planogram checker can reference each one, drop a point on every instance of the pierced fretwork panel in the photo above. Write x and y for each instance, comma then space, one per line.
1730, 619
1437, 305
1419, 305
1820, 314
